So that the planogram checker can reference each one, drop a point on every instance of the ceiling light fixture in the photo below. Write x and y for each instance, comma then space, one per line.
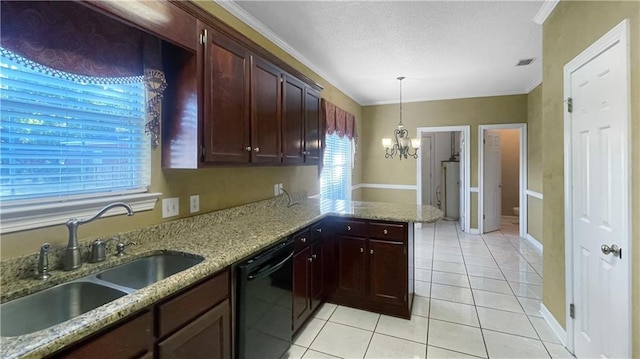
402, 139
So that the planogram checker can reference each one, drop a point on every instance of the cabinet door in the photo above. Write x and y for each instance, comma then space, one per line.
301, 295
312, 127
226, 119
208, 337
132, 339
292, 120
265, 112
387, 271
352, 266
317, 273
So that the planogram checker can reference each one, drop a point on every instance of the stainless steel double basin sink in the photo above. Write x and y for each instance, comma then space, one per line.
55, 305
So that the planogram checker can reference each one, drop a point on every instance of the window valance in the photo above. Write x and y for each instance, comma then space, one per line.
338, 120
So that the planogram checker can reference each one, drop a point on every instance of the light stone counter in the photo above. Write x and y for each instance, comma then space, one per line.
222, 238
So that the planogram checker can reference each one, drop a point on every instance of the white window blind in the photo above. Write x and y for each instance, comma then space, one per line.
64, 139
335, 180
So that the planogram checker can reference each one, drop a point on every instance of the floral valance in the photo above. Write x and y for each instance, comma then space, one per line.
338, 120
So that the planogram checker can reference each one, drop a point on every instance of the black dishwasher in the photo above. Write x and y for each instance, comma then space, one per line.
264, 298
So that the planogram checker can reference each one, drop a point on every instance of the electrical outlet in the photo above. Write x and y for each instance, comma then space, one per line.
194, 203
170, 207
276, 189
280, 188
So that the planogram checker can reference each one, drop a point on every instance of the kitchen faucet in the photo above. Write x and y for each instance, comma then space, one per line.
72, 259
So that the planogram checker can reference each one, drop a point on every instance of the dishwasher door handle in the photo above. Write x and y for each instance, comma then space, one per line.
260, 275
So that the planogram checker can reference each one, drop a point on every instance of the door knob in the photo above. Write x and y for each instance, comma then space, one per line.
617, 251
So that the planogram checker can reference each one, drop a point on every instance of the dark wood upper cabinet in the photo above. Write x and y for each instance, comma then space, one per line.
266, 111
312, 127
293, 91
227, 77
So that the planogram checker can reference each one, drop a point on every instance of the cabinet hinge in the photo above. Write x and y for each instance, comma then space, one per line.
572, 311
570, 105
203, 37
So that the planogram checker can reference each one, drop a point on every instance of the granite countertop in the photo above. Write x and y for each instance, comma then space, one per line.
222, 238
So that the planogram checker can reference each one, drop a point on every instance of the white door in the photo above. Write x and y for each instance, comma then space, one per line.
428, 183
492, 192
600, 205
462, 184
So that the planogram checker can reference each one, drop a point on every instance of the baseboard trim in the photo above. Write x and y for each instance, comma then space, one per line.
553, 323
535, 242
410, 187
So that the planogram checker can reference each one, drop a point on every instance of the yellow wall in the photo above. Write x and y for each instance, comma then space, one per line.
218, 187
534, 218
534, 162
381, 120
571, 28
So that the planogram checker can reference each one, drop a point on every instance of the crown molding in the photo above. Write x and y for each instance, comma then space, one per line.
451, 97
533, 84
265, 31
545, 10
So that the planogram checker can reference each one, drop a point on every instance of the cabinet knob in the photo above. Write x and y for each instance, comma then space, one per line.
348, 228
248, 149
257, 149
361, 250
371, 251
310, 259
319, 230
303, 239
385, 232
314, 256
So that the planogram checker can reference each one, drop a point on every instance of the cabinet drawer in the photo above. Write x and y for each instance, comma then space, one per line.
385, 230
183, 308
351, 227
301, 240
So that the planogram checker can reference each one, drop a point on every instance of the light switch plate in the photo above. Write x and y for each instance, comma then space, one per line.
170, 207
276, 189
280, 188
194, 203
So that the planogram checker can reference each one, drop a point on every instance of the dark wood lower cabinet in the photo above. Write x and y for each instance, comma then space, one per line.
301, 287
208, 337
387, 268
352, 266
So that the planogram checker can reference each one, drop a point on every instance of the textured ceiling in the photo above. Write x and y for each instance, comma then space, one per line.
445, 49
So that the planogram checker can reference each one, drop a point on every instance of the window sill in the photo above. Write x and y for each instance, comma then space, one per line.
24, 217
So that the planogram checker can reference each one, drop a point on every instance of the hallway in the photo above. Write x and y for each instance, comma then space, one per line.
476, 296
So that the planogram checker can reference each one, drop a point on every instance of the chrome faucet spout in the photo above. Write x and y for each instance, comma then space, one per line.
73, 259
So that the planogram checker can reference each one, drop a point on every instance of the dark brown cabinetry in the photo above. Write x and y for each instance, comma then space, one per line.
266, 112
293, 120
313, 127
195, 323
374, 262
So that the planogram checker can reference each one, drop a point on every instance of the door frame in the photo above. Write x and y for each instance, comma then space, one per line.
466, 132
620, 33
522, 195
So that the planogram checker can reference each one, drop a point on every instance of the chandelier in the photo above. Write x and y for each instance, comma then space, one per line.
401, 138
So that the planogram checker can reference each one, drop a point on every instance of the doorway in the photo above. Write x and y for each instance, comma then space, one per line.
502, 177
445, 159
597, 198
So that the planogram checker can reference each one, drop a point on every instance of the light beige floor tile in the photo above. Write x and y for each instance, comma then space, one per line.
294, 352
384, 347
558, 351
307, 334
526, 290
420, 306
423, 274
450, 293
448, 249
458, 280
507, 322
423, 263
523, 277
453, 258
448, 266
422, 289
342, 341
454, 312
325, 311
490, 285
480, 261
439, 353
531, 306
312, 354
517, 267
355, 317
486, 272
502, 345
497, 301
414, 329
544, 330
456, 337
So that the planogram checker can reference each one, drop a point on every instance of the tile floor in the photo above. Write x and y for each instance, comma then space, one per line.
476, 296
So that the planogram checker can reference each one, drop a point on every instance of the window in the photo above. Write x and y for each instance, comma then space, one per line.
335, 181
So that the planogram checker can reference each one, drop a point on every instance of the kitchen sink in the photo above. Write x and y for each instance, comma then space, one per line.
148, 270
53, 306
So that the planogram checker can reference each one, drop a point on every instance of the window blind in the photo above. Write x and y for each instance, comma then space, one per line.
335, 180
64, 139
